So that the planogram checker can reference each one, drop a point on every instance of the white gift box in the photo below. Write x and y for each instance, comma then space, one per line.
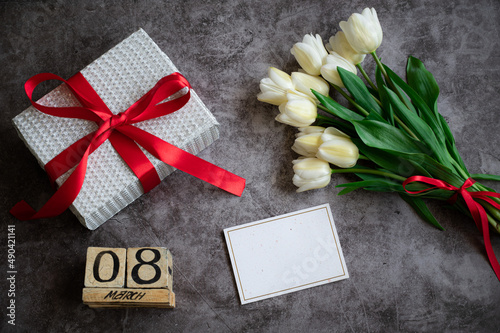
120, 77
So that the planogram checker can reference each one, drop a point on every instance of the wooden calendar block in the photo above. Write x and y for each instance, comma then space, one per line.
149, 267
134, 277
105, 267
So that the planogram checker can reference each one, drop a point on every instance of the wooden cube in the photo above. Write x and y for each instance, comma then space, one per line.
149, 267
105, 267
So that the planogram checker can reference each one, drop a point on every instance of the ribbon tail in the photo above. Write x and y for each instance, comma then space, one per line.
22, 211
185, 161
487, 243
479, 215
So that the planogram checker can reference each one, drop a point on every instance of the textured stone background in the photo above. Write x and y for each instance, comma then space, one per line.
404, 275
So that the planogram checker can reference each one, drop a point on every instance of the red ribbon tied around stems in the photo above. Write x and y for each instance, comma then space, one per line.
477, 211
125, 139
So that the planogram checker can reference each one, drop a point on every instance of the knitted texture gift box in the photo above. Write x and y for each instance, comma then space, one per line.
120, 77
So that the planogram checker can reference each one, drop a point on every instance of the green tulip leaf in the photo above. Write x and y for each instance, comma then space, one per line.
375, 116
345, 127
419, 169
336, 109
418, 126
346, 190
429, 116
386, 160
450, 144
422, 210
436, 169
381, 135
381, 82
373, 91
432, 118
446, 130
423, 82
358, 90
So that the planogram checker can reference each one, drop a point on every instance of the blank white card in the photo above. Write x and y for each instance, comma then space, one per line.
286, 253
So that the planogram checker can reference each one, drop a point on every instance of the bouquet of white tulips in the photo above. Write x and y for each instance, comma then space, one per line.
392, 136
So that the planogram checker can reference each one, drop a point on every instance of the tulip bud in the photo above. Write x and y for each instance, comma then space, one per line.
274, 88
307, 144
297, 111
338, 149
309, 129
330, 71
310, 53
331, 133
340, 45
363, 31
290, 94
310, 173
304, 83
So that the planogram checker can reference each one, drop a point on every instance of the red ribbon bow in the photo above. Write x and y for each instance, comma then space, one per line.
124, 137
477, 211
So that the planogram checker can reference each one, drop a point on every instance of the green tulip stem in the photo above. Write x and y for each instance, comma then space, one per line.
458, 168
370, 171
388, 79
378, 102
322, 117
491, 220
493, 223
492, 210
362, 157
481, 187
367, 78
349, 98
406, 128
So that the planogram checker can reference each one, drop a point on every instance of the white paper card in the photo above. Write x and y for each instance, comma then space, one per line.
286, 253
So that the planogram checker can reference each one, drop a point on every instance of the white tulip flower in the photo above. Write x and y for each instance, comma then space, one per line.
311, 173
339, 44
363, 31
310, 53
304, 83
298, 111
331, 133
291, 94
308, 130
307, 144
310, 138
274, 88
330, 72
338, 149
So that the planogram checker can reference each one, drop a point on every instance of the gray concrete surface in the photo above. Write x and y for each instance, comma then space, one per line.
405, 276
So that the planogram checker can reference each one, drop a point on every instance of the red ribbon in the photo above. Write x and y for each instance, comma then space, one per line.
124, 137
477, 211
